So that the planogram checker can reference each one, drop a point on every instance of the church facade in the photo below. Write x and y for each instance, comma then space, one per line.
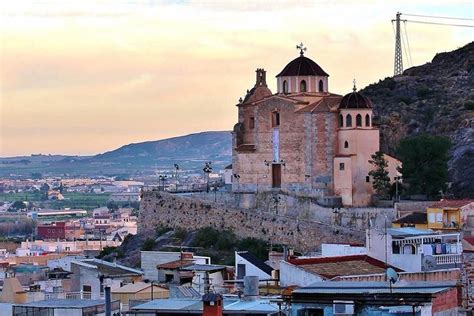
304, 138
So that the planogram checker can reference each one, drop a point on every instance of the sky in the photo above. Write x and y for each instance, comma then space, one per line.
83, 77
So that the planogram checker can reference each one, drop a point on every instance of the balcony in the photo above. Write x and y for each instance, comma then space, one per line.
448, 259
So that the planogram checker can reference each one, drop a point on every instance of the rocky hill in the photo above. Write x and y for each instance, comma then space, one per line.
436, 98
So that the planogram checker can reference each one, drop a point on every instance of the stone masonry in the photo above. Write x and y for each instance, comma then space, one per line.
278, 218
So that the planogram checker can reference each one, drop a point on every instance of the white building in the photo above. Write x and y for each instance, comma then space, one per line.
415, 250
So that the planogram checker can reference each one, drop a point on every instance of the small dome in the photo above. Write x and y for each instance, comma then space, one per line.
302, 66
355, 100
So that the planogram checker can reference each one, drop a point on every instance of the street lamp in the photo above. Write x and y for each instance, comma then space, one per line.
162, 180
397, 179
176, 166
207, 170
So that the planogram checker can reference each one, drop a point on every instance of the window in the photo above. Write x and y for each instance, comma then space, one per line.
341, 120
359, 120
252, 122
303, 86
395, 248
321, 86
87, 288
285, 86
341, 166
367, 120
431, 217
349, 120
275, 119
367, 179
346, 144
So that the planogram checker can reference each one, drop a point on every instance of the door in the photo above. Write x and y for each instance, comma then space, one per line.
276, 175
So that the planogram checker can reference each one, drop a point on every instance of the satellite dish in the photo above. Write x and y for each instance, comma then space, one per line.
392, 275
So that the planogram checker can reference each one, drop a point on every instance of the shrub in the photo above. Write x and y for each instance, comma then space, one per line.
149, 244
469, 105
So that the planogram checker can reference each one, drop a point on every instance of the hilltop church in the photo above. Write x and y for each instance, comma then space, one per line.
304, 138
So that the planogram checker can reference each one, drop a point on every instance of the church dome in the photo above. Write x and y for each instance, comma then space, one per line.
302, 66
355, 100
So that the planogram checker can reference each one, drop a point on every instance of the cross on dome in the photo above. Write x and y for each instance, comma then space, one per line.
301, 48
354, 87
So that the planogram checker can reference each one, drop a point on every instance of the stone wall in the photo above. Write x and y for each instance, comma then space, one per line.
277, 217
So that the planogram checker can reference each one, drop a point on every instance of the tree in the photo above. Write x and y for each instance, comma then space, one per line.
381, 180
44, 191
425, 164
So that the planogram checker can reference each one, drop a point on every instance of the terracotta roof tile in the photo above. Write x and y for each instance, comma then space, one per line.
451, 203
331, 267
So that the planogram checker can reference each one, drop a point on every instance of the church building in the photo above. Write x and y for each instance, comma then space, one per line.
305, 139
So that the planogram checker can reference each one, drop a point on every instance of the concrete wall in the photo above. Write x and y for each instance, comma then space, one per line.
291, 220
150, 259
250, 269
293, 275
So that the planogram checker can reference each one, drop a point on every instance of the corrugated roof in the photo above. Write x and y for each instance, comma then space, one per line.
137, 287
204, 267
422, 287
59, 303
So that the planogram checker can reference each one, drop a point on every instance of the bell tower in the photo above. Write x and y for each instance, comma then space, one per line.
261, 77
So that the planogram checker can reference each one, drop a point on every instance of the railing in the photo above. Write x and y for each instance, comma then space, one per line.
448, 259
71, 295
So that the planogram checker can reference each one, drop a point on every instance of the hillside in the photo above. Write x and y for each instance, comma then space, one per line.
435, 98
190, 151
200, 146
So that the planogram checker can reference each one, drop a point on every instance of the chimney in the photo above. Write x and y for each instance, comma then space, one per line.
251, 287
212, 304
261, 77
108, 302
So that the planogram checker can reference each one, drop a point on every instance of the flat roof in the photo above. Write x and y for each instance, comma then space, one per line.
64, 303
204, 267
355, 287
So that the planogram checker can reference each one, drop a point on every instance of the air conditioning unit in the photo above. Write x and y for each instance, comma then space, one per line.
343, 308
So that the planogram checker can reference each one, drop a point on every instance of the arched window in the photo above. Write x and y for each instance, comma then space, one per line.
303, 86
321, 86
359, 120
349, 120
367, 120
341, 120
346, 144
285, 86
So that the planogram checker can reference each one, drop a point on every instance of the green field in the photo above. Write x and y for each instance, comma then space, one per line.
86, 201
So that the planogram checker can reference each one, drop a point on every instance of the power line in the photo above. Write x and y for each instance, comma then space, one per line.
439, 17
408, 43
436, 23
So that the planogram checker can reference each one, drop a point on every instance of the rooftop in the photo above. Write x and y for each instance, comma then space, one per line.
66, 303
108, 269
413, 218
331, 267
256, 262
451, 203
302, 66
421, 287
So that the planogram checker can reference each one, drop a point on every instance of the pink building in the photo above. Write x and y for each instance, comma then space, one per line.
304, 138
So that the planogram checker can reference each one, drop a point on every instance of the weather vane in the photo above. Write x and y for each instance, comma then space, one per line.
301, 48
354, 87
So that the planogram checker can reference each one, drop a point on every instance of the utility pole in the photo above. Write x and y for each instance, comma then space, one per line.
398, 63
